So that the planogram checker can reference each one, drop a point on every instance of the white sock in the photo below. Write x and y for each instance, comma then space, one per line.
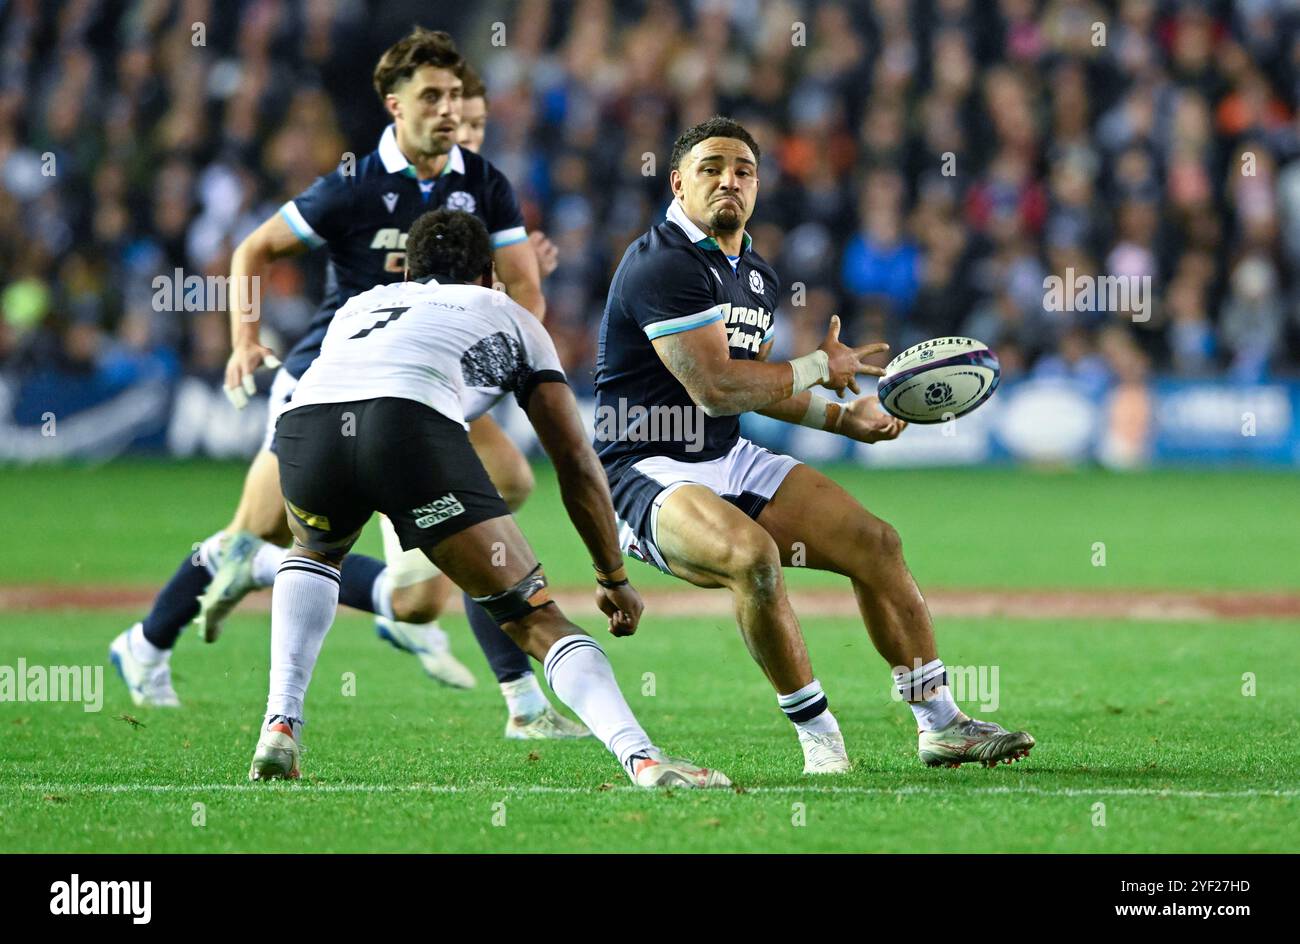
579, 673
381, 595
925, 688
143, 649
266, 562
808, 709
303, 603
210, 551
524, 697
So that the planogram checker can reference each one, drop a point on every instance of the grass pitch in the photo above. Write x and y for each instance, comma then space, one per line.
1148, 719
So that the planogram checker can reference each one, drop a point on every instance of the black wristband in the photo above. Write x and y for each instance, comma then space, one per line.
612, 584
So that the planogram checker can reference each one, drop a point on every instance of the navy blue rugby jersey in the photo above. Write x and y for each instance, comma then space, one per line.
674, 278
363, 217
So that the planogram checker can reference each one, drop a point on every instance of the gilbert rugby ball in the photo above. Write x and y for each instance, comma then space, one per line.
939, 380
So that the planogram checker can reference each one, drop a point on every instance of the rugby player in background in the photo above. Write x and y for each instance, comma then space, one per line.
360, 214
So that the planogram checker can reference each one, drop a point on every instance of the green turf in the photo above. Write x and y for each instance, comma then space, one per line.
132, 521
1116, 709
1148, 719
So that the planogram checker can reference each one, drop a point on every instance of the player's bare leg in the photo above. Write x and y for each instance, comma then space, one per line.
493, 562
711, 543
813, 518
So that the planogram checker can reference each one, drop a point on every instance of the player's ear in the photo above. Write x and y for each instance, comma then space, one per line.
392, 105
675, 182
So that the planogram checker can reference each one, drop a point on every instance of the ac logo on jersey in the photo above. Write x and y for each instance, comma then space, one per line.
394, 240
755, 281
390, 201
460, 200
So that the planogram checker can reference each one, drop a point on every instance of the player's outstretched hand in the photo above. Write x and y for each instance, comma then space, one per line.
244, 361
548, 254
622, 605
864, 421
846, 363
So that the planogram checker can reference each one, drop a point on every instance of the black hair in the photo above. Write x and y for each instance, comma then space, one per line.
450, 245
715, 127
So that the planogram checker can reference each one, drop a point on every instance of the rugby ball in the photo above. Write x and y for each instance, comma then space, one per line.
939, 380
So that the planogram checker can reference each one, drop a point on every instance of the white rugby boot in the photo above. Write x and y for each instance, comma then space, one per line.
824, 753
232, 581
276, 757
149, 682
652, 768
549, 724
969, 740
428, 642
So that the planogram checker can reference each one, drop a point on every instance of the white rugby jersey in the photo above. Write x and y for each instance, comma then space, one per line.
455, 348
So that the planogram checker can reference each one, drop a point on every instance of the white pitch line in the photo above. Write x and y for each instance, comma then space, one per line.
54, 788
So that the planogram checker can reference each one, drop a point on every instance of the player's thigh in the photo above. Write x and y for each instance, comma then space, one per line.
261, 507
506, 465
419, 469
708, 541
816, 523
326, 508
486, 558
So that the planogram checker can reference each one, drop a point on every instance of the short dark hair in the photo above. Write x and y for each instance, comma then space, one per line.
420, 47
473, 82
449, 245
716, 127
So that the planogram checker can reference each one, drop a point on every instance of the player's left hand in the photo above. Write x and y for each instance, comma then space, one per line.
548, 254
622, 605
864, 421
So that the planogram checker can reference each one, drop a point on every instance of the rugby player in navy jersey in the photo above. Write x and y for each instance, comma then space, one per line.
684, 346
361, 214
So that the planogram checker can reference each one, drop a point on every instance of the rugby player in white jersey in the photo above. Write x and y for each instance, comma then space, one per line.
359, 215
377, 423
416, 584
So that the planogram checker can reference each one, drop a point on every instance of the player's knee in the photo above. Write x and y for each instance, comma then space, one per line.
415, 604
516, 484
880, 541
754, 564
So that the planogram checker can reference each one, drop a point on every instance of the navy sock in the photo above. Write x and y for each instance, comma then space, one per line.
177, 603
507, 660
357, 582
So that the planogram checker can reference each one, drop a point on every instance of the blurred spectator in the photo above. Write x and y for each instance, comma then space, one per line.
925, 167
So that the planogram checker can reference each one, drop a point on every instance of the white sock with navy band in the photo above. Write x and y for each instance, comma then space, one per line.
925, 689
303, 604
266, 563
579, 673
809, 709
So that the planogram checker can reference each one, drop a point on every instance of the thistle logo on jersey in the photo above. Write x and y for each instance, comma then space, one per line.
438, 511
460, 200
756, 281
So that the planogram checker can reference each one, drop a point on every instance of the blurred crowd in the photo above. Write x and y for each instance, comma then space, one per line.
925, 166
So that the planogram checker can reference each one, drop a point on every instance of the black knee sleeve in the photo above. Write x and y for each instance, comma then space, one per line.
527, 595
